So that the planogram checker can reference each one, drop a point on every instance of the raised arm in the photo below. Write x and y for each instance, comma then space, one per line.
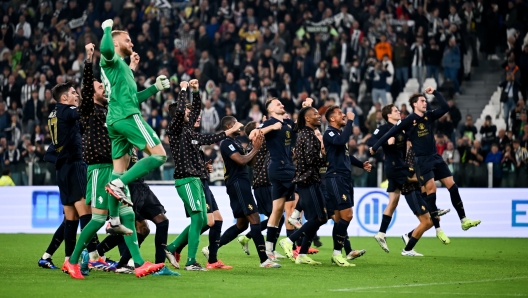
107, 43
209, 139
313, 157
177, 111
86, 106
196, 106
341, 139
444, 107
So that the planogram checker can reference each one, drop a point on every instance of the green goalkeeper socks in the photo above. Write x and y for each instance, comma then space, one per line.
113, 203
97, 222
129, 220
143, 167
192, 234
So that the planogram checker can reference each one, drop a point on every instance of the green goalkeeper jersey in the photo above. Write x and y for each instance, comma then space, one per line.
119, 84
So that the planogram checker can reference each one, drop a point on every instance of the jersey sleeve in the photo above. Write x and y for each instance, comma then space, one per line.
376, 135
86, 106
108, 55
444, 107
71, 113
339, 139
266, 123
196, 107
177, 113
401, 125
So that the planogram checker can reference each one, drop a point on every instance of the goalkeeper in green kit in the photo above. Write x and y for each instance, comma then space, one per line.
126, 127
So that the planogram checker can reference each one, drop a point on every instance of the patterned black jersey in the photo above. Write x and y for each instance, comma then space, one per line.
307, 157
96, 143
182, 139
260, 168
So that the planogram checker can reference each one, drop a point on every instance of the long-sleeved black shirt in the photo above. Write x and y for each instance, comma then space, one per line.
419, 130
395, 153
65, 133
308, 159
199, 140
96, 142
338, 157
279, 141
182, 139
260, 168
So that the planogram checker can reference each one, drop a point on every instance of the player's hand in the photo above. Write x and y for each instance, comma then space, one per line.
350, 116
367, 166
162, 83
89, 52
391, 141
264, 118
194, 84
257, 140
107, 24
134, 61
307, 103
184, 84
429, 90
372, 152
238, 126
253, 134
209, 166
277, 126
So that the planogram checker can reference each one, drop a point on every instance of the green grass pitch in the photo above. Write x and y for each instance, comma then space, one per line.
465, 268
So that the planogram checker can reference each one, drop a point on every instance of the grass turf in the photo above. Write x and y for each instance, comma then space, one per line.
465, 268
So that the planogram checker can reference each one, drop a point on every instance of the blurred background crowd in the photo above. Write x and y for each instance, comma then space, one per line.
358, 54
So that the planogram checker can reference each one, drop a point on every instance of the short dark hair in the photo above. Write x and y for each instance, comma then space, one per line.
6, 172
60, 89
414, 99
226, 121
329, 112
386, 110
268, 102
250, 126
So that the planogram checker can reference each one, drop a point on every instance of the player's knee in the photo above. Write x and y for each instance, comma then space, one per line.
143, 228
162, 224
161, 158
322, 220
428, 223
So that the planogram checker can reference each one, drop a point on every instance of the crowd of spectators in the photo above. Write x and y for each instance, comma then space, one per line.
350, 53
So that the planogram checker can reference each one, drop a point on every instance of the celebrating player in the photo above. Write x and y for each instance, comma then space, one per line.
338, 179
239, 189
429, 164
96, 151
397, 170
188, 171
126, 127
309, 157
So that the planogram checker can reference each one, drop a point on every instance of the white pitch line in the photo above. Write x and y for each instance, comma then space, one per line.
426, 285
446, 293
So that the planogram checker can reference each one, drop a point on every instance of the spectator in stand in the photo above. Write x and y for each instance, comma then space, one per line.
403, 111
359, 176
451, 156
510, 96
379, 83
210, 118
445, 126
441, 143
523, 66
515, 115
503, 140
518, 130
488, 133
433, 59
495, 157
32, 112
451, 63
387, 64
383, 47
417, 60
4, 119
468, 129
508, 165
401, 54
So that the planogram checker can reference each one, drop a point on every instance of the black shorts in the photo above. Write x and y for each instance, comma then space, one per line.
340, 192
292, 197
416, 202
429, 167
329, 208
209, 197
264, 200
397, 177
312, 202
281, 178
71, 179
241, 198
146, 204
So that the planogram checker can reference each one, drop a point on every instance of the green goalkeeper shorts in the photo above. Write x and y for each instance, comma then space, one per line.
129, 132
98, 176
191, 192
